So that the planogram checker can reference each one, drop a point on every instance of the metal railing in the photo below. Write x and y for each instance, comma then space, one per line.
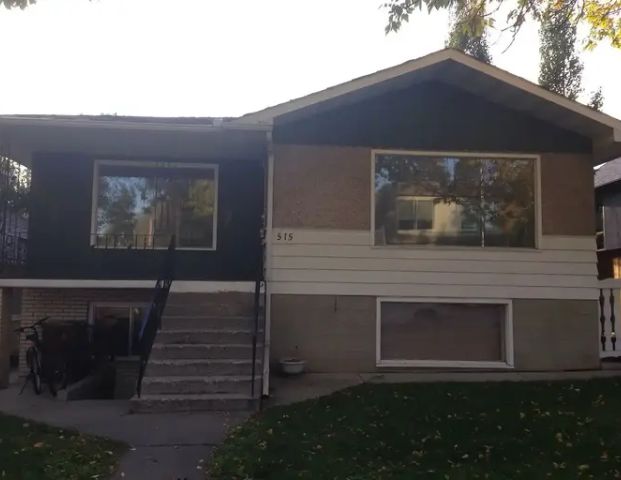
130, 241
259, 306
13, 250
153, 318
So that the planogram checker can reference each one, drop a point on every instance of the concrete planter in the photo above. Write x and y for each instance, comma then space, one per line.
292, 366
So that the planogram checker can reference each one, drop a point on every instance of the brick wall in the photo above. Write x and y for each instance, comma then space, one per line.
68, 304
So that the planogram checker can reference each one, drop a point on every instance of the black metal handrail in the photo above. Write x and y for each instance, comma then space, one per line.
153, 318
257, 315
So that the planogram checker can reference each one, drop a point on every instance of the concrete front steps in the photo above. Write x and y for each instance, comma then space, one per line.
202, 358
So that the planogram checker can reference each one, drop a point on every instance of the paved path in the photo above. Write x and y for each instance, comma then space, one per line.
164, 446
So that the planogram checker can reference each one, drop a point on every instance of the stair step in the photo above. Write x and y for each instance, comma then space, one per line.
208, 308
202, 367
185, 385
208, 322
245, 299
204, 336
187, 403
204, 351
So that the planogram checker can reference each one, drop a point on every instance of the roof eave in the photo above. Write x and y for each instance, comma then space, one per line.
127, 125
267, 116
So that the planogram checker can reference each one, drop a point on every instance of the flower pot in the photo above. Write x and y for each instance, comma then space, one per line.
292, 366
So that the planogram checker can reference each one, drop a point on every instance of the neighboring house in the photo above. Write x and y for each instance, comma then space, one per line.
608, 218
437, 214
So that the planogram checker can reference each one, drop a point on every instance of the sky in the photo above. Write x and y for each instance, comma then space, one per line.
224, 58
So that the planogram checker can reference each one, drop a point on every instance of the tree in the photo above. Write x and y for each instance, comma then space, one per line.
602, 17
463, 37
16, 3
560, 69
597, 100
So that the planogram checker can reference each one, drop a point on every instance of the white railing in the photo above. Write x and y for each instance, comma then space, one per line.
609, 314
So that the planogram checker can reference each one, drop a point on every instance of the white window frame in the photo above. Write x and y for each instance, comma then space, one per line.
415, 199
153, 164
508, 363
129, 305
422, 153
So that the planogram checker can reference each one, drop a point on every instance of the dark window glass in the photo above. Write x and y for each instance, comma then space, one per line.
116, 329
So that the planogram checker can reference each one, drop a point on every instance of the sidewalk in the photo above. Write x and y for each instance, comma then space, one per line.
163, 446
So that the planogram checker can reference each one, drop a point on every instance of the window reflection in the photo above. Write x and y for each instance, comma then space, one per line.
454, 201
144, 206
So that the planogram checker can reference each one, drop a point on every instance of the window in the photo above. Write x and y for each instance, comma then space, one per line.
599, 227
616, 267
142, 204
454, 200
444, 333
414, 214
116, 328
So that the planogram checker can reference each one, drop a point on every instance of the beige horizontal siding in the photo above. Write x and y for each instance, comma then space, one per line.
345, 263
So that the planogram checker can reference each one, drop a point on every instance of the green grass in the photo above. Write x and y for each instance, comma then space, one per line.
32, 451
507, 431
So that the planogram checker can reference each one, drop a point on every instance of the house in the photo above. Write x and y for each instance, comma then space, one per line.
608, 218
414, 218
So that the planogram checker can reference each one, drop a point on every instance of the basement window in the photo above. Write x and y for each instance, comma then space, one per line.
444, 333
116, 328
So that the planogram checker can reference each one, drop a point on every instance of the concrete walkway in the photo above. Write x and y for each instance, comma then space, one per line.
163, 446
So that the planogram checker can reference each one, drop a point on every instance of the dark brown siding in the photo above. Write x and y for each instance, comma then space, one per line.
60, 223
429, 116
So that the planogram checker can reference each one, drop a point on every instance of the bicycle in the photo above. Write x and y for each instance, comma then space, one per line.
38, 370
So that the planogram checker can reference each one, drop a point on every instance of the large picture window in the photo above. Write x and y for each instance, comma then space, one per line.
142, 204
454, 200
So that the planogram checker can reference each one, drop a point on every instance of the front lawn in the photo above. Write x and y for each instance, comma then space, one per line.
32, 451
555, 430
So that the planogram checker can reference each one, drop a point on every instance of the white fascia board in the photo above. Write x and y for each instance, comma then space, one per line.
125, 125
266, 116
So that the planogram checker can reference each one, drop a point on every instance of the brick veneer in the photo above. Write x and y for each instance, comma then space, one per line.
68, 304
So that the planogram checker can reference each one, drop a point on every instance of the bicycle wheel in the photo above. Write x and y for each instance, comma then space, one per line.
57, 379
34, 362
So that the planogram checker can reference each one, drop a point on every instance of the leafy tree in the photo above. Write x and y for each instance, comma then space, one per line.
17, 3
597, 100
602, 17
464, 38
560, 69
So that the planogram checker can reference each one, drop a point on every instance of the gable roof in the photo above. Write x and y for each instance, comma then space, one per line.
608, 173
465, 72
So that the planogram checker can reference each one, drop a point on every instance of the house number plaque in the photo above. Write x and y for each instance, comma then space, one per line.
284, 236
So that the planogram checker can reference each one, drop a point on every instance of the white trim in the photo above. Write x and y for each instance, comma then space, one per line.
178, 286
266, 116
483, 155
464, 292
139, 124
269, 209
154, 164
614, 283
508, 329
